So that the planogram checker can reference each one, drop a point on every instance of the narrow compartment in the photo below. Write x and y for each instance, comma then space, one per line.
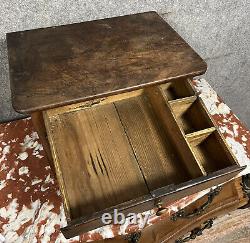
191, 115
178, 89
210, 150
168, 126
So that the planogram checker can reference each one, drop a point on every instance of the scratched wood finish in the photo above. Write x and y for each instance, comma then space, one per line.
67, 64
96, 165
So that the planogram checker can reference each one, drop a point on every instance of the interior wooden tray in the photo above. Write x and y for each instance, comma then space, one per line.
112, 150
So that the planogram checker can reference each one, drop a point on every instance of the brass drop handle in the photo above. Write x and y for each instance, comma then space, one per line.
133, 238
198, 211
161, 210
196, 231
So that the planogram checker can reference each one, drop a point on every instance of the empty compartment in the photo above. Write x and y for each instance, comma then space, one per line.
178, 89
211, 151
191, 115
95, 163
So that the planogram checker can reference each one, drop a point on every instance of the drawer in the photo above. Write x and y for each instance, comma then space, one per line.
134, 151
228, 199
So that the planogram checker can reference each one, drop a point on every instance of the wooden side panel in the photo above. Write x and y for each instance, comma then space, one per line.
168, 195
95, 163
230, 198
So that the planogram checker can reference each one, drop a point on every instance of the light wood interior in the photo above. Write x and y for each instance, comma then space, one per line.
211, 151
115, 149
160, 162
178, 89
191, 115
94, 160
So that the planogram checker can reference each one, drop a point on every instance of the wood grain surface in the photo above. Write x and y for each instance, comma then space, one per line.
66, 64
156, 155
96, 165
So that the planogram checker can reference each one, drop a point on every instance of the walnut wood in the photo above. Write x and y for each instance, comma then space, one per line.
230, 198
67, 64
135, 138
166, 194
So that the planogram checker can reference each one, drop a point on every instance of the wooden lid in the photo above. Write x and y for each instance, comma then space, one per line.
55, 66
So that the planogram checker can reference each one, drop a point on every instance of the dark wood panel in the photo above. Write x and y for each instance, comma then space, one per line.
61, 65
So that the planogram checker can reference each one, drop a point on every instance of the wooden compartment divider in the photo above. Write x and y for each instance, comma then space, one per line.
197, 137
162, 109
204, 138
211, 152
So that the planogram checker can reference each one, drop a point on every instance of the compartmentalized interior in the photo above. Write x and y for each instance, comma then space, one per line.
112, 150
211, 152
178, 89
191, 116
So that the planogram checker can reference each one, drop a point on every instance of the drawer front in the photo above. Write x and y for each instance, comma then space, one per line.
165, 195
229, 198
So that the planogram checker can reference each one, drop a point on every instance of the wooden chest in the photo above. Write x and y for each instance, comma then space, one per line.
126, 129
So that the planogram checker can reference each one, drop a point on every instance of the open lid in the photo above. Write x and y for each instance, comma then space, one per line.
61, 65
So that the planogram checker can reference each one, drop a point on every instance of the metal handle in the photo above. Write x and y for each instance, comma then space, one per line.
198, 211
196, 231
160, 210
133, 238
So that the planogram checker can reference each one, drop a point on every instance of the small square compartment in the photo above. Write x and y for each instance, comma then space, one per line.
211, 152
191, 115
178, 89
